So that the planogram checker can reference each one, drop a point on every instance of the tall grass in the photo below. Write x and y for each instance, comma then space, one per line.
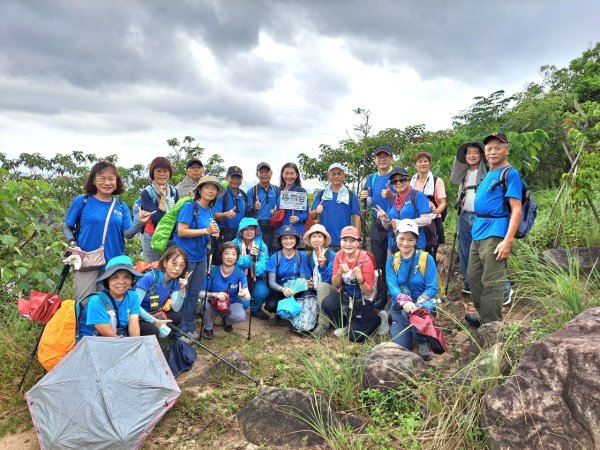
562, 293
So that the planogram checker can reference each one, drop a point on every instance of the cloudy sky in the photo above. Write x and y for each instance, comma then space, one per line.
262, 80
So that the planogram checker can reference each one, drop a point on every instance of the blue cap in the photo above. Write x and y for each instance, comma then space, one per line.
122, 262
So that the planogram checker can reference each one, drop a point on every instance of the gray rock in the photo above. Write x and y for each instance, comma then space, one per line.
355, 422
587, 257
387, 365
235, 358
279, 416
553, 401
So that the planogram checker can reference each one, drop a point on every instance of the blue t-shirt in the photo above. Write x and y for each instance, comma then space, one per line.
302, 215
409, 211
156, 297
375, 184
336, 216
268, 200
220, 283
95, 313
491, 200
326, 271
93, 217
409, 274
239, 201
288, 269
195, 247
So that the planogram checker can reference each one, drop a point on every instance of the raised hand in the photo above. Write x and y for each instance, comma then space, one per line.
319, 208
144, 215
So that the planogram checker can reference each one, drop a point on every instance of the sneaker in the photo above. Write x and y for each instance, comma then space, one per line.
384, 328
339, 332
473, 319
192, 335
466, 291
208, 334
425, 352
260, 315
508, 297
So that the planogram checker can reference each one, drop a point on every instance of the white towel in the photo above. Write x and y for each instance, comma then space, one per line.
428, 187
342, 197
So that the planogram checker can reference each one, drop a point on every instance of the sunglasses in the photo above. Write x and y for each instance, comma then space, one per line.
398, 180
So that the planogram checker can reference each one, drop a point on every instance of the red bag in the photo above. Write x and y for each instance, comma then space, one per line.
149, 227
220, 306
277, 218
39, 307
309, 223
424, 322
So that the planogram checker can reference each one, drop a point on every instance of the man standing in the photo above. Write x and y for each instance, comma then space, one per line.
264, 198
337, 205
231, 207
378, 193
497, 217
194, 170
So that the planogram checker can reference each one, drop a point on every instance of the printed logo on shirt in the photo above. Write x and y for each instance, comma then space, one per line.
117, 212
233, 286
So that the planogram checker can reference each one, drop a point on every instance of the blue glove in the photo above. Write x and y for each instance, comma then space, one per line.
245, 303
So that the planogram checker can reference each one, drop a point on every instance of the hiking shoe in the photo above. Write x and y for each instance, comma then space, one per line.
384, 328
260, 315
339, 332
473, 319
466, 291
425, 352
228, 328
208, 334
192, 335
508, 297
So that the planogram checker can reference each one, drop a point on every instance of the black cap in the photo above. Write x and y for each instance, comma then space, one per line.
193, 161
496, 135
398, 171
234, 170
383, 149
462, 150
261, 165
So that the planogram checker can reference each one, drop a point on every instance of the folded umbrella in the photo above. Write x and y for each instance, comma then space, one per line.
424, 322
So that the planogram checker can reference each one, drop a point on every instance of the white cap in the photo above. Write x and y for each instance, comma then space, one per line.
337, 166
407, 226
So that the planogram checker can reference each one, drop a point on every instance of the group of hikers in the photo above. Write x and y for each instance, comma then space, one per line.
232, 251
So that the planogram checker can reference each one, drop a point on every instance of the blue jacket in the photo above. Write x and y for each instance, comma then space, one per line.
245, 262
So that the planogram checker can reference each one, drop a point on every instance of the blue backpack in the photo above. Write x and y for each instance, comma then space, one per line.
529, 206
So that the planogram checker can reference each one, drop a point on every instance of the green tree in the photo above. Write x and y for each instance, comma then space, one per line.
215, 167
180, 153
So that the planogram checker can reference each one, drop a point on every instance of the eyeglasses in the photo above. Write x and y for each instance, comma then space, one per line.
398, 180
105, 179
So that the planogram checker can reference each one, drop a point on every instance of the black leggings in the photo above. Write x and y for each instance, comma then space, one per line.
149, 329
364, 321
272, 300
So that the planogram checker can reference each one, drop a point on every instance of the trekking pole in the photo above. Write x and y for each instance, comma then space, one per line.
209, 254
61, 281
206, 349
251, 288
452, 255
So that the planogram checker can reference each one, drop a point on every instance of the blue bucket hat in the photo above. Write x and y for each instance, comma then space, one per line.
288, 230
117, 263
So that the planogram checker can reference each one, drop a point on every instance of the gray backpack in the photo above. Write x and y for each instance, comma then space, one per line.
307, 319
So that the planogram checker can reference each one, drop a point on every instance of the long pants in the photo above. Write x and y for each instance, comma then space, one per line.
402, 333
149, 329
363, 321
323, 321
379, 243
465, 223
149, 255
487, 279
267, 233
260, 291
236, 314
188, 310
84, 283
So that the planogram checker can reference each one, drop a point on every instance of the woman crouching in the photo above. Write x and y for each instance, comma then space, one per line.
162, 293
113, 311
352, 311
227, 294
411, 286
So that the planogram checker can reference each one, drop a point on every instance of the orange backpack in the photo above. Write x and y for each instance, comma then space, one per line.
58, 338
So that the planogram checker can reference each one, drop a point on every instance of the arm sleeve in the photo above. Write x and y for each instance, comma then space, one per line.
135, 229
391, 278
177, 300
145, 316
431, 284
273, 282
68, 232
71, 217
